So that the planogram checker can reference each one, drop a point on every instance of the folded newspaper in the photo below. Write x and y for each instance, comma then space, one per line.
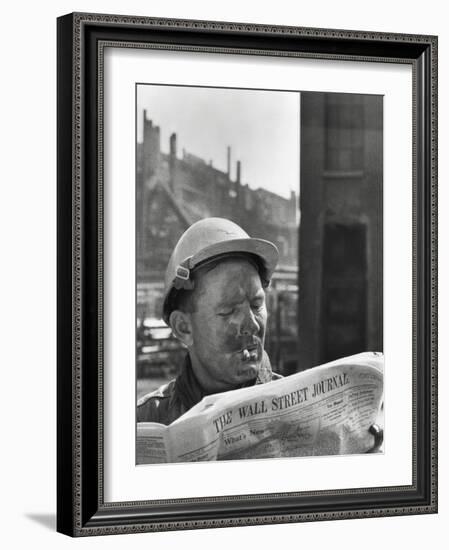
326, 410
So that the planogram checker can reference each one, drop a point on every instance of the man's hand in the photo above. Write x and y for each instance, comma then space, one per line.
378, 437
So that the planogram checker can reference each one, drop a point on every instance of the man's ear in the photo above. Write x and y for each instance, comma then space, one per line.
181, 326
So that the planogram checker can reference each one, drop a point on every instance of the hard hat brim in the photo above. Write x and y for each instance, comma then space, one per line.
264, 250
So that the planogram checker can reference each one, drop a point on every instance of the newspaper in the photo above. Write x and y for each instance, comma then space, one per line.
326, 410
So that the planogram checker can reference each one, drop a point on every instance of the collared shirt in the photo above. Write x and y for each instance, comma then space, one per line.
175, 398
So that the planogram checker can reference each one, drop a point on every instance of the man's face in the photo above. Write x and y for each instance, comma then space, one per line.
228, 325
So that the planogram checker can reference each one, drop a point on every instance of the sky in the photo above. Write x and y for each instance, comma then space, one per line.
261, 127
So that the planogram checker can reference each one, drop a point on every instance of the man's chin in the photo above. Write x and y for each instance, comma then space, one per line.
243, 372
248, 372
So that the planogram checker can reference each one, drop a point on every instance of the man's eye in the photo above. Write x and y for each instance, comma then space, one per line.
226, 313
257, 305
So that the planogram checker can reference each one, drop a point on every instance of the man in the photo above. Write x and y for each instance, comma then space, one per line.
215, 304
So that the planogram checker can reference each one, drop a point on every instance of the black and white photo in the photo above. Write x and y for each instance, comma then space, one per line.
259, 258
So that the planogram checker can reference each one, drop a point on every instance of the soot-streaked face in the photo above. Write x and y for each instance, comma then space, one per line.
228, 325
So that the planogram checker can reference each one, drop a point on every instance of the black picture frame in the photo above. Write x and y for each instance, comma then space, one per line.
81, 509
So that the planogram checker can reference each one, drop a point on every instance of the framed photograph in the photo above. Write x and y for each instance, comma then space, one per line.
247, 293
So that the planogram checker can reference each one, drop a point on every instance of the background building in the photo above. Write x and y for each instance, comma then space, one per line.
175, 190
340, 308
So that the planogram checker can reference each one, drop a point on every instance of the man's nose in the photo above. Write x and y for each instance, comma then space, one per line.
249, 325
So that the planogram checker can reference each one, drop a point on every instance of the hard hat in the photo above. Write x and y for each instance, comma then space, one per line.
207, 240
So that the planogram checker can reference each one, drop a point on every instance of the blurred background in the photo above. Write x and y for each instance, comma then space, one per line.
313, 186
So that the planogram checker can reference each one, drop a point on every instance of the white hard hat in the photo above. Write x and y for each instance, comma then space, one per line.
208, 240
